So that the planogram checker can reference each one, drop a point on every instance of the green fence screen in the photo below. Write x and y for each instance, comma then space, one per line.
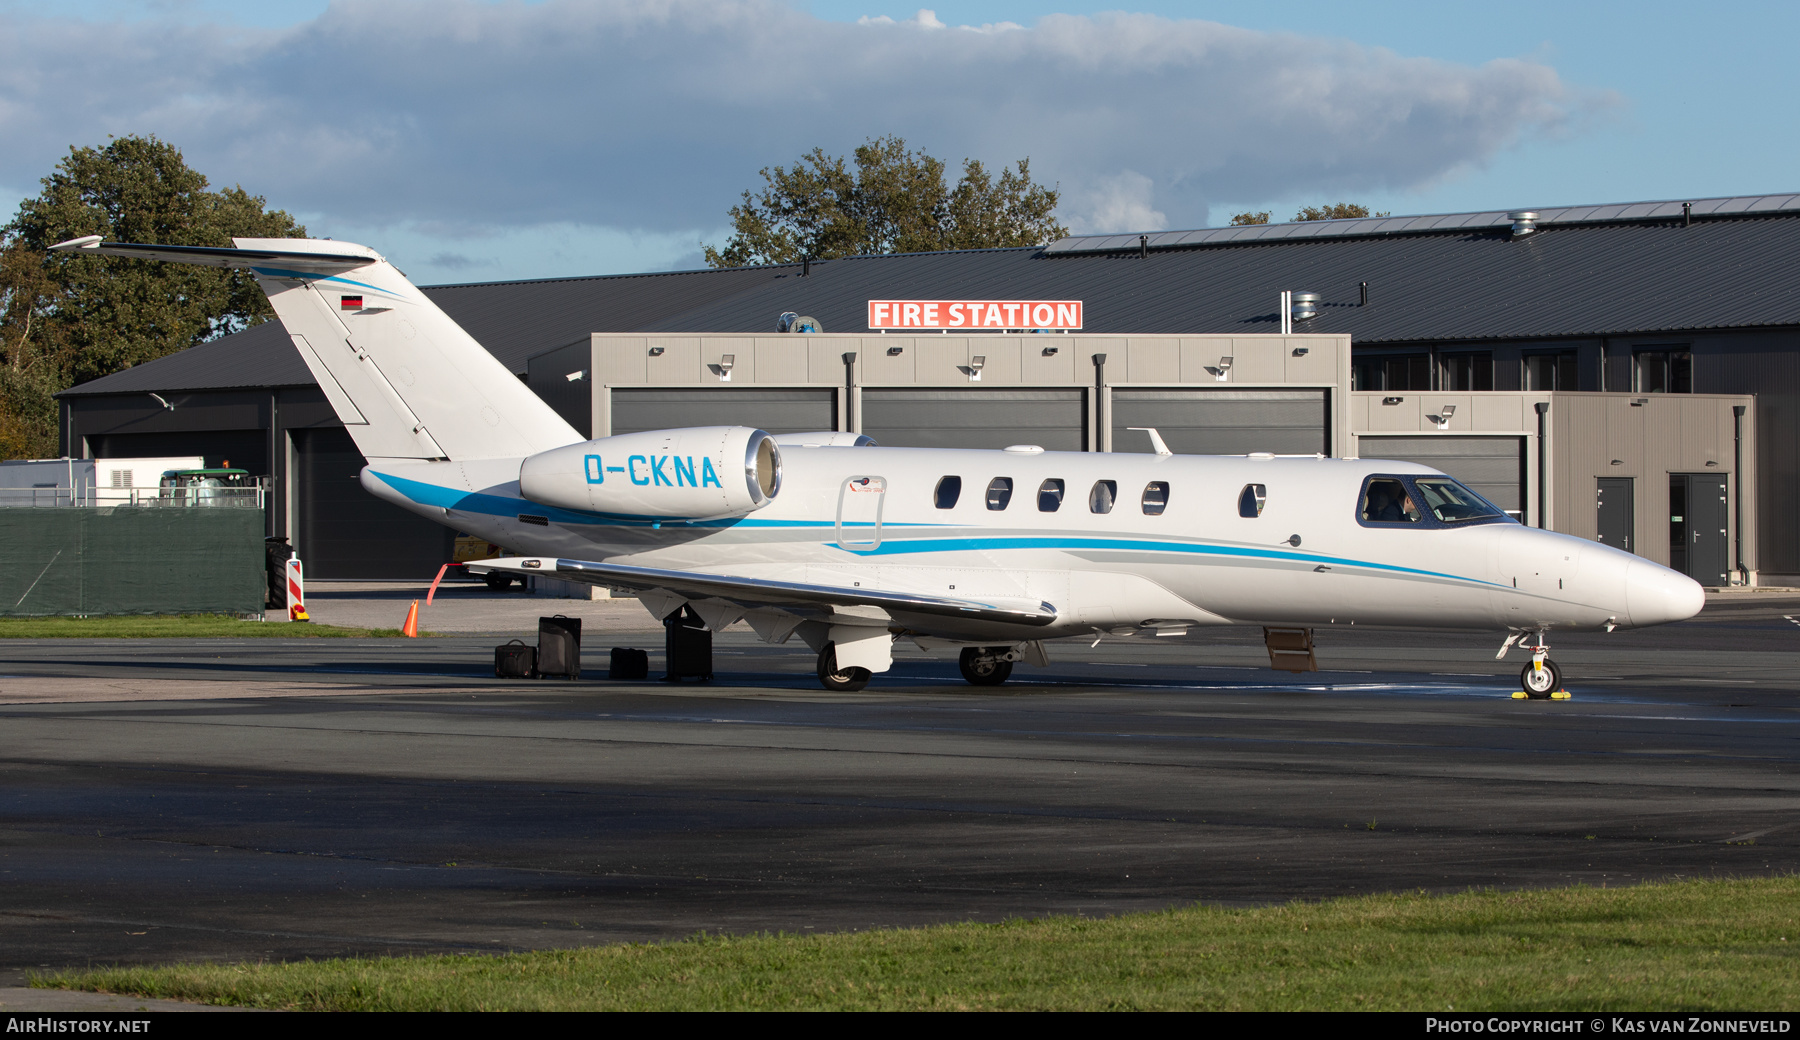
130, 560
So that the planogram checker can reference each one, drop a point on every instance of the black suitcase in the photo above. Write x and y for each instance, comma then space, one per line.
687, 647
629, 664
559, 647
515, 660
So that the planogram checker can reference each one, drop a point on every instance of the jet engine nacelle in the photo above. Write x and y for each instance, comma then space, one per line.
703, 473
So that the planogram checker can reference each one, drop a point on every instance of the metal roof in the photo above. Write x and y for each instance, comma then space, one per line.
513, 320
1596, 270
1741, 205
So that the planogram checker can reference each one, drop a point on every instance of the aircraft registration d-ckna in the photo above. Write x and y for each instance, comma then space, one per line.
852, 546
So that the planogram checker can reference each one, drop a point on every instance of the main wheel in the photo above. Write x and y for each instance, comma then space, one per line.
496, 580
1541, 683
982, 666
843, 680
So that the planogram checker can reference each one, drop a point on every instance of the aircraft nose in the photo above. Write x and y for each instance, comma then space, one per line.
1657, 595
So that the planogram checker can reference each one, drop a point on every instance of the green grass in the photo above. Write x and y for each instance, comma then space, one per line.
1687, 945
136, 626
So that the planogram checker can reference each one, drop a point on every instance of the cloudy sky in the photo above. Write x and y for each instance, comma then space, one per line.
472, 140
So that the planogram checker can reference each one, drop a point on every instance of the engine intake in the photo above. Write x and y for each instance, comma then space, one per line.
701, 473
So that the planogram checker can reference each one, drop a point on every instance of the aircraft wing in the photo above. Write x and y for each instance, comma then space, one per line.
793, 596
212, 256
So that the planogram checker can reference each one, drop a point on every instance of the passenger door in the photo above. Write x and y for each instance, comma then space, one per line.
860, 503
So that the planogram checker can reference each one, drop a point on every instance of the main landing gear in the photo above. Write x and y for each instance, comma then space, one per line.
1541, 679
986, 665
843, 680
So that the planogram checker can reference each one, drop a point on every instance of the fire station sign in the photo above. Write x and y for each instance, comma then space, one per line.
974, 315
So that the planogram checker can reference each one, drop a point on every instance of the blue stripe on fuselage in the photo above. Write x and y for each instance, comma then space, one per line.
506, 506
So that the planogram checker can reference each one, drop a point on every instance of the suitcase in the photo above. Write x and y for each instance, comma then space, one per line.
629, 664
687, 646
515, 660
559, 647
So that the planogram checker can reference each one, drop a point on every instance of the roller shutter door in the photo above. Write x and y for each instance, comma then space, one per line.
345, 532
1494, 467
1223, 422
777, 411
1051, 419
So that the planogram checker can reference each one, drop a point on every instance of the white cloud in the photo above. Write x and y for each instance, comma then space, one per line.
1121, 202
650, 116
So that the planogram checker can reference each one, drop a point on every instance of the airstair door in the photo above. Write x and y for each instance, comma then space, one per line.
860, 502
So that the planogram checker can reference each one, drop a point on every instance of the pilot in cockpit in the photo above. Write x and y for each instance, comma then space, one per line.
1387, 502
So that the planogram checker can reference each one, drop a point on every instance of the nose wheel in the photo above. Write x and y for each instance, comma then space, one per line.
1540, 680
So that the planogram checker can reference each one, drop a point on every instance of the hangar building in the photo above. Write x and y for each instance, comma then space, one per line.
1606, 370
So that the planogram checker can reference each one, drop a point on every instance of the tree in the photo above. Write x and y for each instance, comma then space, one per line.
69, 318
895, 201
1241, 219
1336, 211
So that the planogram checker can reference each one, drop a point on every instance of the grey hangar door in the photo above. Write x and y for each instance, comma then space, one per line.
345, 532
1223, 422
1492, 467
776, 411
943, 418
1615, 511
1699, 535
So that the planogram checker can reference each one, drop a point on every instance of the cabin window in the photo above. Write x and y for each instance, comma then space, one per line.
1050, 496
1105, 493
1386, 501
1251, 501
1156, 497
999, 493
949, 490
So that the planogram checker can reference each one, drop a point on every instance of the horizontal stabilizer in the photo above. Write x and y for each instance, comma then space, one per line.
763, 592
211, 256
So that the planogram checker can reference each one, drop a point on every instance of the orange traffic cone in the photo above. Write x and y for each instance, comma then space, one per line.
411, 627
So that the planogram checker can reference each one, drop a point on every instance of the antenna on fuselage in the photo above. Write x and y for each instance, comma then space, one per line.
1156, 441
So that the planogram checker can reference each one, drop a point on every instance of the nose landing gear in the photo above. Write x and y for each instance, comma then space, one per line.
1541, 679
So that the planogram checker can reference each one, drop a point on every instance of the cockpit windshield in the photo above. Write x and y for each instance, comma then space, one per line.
1452, 503
1386, 501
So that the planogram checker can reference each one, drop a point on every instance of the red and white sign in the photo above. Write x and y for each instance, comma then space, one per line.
974, 315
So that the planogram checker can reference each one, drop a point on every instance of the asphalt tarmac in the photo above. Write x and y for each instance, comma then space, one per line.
168, 800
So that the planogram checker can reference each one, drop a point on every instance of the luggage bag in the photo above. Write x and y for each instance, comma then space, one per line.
687, 646
629, 664
559, 647
515, 660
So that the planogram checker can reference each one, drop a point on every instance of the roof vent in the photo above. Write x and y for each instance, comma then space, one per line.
1524, 222
1305, 306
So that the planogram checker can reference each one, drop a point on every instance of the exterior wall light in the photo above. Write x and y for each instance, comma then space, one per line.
1442, 418
656, 351
895, 351
576, 377
726, 363
1224, 369
976, 364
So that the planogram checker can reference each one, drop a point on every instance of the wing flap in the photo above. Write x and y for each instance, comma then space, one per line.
798, 597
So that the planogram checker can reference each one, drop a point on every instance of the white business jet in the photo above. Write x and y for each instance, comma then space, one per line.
852, 546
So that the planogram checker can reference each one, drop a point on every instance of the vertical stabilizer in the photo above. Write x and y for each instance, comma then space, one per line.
406, 381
